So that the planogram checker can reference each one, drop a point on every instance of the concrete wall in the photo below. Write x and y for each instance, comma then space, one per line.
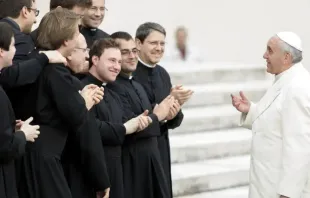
227, 30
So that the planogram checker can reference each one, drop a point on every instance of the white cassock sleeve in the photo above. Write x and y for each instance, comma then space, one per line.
295, 143
246, 119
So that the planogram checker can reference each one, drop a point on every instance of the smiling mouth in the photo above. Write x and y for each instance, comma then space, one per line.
114, 72
97, 20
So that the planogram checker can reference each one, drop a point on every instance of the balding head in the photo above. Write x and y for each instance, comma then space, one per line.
78, 59
81, 42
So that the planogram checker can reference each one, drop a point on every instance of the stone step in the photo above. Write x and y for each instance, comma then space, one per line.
209, 175
238, 192
219, 93
207, 145
215, 72
208, 118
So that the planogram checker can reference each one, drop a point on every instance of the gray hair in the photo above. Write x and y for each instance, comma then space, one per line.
295, 53
145, 30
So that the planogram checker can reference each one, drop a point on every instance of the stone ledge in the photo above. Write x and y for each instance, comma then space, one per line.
207, 145
191, 178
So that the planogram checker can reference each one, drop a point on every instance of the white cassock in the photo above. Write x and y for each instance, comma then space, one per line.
280, 121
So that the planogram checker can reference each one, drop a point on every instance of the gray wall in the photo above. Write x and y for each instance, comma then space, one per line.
227, 30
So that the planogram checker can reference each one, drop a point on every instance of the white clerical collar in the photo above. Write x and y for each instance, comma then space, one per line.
104, 84
292, 68
147, 65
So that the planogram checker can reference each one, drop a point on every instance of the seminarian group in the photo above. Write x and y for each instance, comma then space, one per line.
86, 114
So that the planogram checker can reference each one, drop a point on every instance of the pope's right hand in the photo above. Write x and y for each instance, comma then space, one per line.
241, 103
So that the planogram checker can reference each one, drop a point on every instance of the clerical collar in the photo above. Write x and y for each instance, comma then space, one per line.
126, 76
104, 84
94, 80
292, 68
147, 65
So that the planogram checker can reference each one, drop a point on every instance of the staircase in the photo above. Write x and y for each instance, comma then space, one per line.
210, 153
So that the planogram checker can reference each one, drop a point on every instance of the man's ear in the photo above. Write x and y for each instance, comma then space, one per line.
138, 43
95, 60
24, 12
2, 52
287, 57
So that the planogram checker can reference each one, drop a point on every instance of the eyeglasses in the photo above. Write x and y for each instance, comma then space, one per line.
36, 11
101, 9
86, 50
127, 52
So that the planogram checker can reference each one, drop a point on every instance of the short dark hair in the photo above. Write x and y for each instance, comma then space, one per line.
121, 35
69, 4
146, 29
99, 46
12, 8
6, 35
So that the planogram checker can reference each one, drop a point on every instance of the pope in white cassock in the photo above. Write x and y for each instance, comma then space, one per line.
280, 121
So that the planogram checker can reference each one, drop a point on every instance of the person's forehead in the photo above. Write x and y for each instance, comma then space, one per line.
112, 53
273, 42
98, 2
126, 44
156, 36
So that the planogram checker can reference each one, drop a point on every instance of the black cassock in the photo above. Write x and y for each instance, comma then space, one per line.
59, 109
142, 167
12, 145
75, 169
157, 84
23, 42
18, 80
92, 34
109, 113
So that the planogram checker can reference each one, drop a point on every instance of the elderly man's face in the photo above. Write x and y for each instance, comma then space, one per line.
276, 58
77, 60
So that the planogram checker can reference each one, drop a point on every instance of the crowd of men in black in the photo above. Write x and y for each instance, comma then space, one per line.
84, 114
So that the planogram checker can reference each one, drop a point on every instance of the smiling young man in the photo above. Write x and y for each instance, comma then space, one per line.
105, 58
91, 21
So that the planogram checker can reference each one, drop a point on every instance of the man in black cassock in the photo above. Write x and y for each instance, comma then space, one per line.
105, 57
21, 15
18, 79
150, 40
91, 21
60, 109
79, 185
13, 135
77, 6
144, 175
